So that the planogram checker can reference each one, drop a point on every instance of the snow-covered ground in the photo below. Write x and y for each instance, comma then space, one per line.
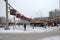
51, 38
29, 29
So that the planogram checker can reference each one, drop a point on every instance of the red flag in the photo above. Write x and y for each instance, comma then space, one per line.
21, 17
18, 15
12, 12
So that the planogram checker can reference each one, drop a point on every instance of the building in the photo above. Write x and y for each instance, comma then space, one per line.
43, 20
2, 20
55, 16
55, 13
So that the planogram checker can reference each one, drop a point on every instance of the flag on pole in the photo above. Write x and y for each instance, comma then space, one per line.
18, 15
13, 12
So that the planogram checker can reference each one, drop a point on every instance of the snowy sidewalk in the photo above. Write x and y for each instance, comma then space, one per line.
28, 30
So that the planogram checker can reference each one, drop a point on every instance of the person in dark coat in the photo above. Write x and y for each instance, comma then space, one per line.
24, 27
57, 25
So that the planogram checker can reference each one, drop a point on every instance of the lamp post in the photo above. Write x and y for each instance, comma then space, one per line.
7, 27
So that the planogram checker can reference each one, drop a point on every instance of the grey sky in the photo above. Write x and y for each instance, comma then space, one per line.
31, 8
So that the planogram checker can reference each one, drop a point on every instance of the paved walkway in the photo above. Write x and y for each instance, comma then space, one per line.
28, 36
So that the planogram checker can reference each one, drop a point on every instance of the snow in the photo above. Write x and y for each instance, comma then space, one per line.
29, 29
51, 38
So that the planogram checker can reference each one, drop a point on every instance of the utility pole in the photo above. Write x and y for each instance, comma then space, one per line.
7, 27
59, 4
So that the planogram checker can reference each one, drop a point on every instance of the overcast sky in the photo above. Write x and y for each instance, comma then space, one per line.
31, 8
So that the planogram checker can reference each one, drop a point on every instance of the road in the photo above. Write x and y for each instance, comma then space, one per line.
28, 36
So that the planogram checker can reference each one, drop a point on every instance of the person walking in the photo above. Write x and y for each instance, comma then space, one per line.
57, 25
24, 27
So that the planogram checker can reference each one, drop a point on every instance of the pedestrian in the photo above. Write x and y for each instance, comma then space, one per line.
33, 26
24, 27
45, 25
57, 25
